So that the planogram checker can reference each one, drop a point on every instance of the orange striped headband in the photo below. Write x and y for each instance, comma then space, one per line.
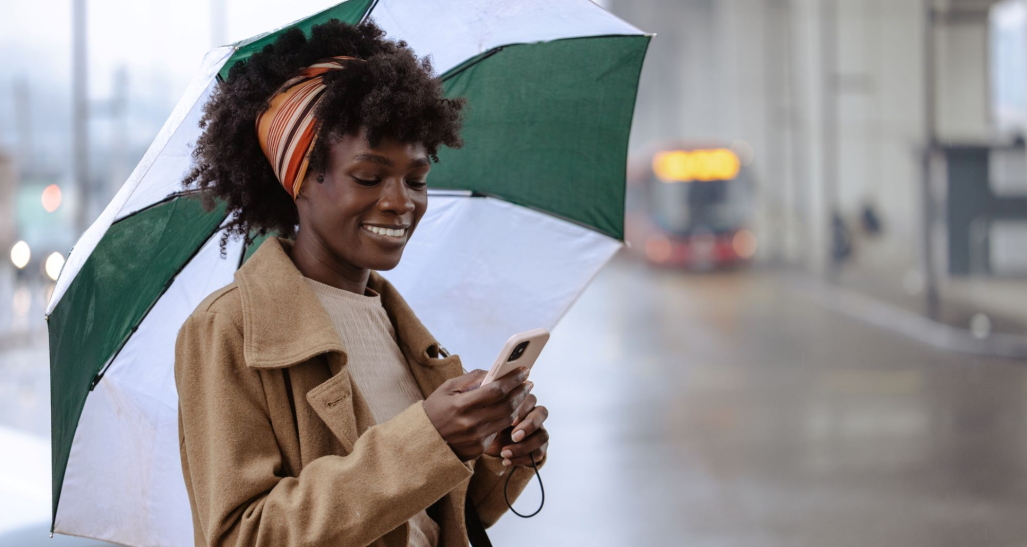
286, 129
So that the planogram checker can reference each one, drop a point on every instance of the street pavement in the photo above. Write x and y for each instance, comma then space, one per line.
711, 410
732, 410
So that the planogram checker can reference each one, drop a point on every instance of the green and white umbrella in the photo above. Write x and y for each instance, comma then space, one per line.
518, 223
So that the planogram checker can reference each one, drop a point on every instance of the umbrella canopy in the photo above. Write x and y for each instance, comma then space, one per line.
519, 221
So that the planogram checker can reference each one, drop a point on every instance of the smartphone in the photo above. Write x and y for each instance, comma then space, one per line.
520, 350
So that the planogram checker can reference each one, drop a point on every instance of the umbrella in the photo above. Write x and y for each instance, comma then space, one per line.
519, 221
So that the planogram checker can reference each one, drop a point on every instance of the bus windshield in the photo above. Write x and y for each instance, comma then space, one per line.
717, 206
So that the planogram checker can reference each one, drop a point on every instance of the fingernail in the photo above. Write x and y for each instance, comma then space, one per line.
518, 435
530, 385
506, 454
507, 463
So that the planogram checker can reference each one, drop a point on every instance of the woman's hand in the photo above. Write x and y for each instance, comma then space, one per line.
526, 438
468, 416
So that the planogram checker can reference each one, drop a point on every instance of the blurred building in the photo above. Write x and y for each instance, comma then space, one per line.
853, 109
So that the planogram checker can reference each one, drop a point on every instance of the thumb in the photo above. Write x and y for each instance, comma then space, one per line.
468, 381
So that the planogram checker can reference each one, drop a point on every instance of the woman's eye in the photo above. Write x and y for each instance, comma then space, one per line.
417, 183
365, 182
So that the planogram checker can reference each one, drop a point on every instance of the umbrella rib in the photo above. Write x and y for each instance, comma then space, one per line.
578, 223
242, 253
247, 244
369, 10
482, 56
169, 197
468, 64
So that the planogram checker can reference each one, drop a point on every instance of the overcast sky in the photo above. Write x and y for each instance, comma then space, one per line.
144, 35
159, 43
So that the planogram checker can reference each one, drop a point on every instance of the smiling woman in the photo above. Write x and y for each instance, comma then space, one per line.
314, 408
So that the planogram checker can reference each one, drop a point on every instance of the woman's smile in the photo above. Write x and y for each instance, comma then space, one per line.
392, 235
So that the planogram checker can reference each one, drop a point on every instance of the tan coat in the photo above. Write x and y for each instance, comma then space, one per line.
293, 459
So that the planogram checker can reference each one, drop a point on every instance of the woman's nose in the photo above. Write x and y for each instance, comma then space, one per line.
395, 198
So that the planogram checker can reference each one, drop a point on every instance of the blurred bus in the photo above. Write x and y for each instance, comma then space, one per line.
691, 207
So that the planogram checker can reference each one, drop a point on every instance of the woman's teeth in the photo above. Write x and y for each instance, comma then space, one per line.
389, 232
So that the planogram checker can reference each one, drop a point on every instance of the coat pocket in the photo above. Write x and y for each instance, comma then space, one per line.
332, 401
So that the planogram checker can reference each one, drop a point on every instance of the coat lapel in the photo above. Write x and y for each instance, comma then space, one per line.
283, 321
285, 326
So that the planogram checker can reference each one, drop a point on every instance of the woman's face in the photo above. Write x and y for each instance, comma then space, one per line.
369, 203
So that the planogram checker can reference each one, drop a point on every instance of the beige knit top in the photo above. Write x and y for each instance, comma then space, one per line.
378, 368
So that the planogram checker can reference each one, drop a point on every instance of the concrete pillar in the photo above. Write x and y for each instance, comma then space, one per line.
961, 43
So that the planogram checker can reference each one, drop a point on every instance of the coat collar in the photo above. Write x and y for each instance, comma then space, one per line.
284, 323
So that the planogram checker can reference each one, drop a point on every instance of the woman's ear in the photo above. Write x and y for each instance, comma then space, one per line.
301, 194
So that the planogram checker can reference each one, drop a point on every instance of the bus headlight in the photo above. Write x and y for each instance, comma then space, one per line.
744, 244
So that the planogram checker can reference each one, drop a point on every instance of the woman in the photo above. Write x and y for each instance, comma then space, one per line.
314, 408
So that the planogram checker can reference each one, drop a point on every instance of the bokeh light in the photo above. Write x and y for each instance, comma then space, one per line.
54, 263
744, 243
21, 303
701, 165
980, 326
21, 254
658, 250
51, 198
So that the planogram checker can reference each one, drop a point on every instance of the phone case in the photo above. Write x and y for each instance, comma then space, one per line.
536, 339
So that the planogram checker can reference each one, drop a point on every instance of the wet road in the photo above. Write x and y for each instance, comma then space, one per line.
734, 410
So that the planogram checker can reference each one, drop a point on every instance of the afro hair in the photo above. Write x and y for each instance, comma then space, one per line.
392, 95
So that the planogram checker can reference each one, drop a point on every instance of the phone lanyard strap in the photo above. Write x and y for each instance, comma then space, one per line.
543, 490
444, 353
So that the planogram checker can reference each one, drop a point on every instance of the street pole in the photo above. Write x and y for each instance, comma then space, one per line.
80, 115
773, 133
829, 125
931, 297
798, 143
